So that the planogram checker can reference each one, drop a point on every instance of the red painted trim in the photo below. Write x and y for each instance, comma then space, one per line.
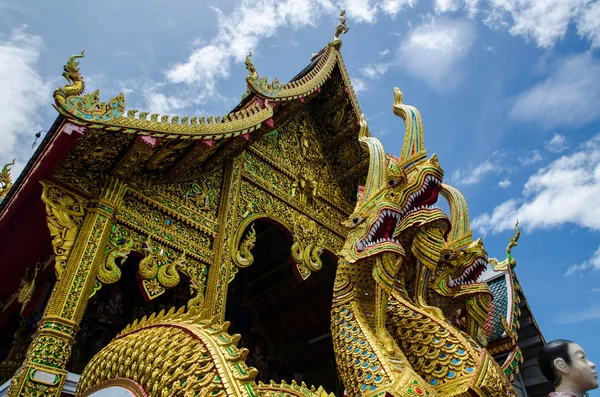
54, 153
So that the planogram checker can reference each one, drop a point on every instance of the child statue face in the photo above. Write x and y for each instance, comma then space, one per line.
582, 371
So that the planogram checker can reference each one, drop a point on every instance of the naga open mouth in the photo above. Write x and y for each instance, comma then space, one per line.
470, 275
384, 228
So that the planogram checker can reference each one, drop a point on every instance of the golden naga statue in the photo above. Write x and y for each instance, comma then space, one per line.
182, 354
403, 272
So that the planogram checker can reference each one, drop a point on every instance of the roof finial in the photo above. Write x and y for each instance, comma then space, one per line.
5, 179
341, 28
250, 66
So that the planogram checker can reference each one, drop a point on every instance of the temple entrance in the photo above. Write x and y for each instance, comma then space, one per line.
115, 306
284, 322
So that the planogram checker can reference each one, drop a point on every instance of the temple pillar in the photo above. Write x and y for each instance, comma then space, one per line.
220, 269
79, 237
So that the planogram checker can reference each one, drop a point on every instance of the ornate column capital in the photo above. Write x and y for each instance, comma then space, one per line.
111, 195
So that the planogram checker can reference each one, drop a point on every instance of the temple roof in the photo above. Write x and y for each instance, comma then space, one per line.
258, 106
101, 137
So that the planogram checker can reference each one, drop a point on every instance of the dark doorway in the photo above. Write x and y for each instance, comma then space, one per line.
283, 321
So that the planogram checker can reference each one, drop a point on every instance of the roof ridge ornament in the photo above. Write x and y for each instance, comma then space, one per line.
5, 179
70, 100
259, 84
340, 29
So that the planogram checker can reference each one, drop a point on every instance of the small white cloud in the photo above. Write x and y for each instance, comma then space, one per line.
374, 71
360, 10
359, 85
442, 6
557, 144
490, 49
504, 183
393, 7
595, 289
433, 51
570, 96
572, 317
532, 157
161, 103
383, 53
23, 93
593, 263
566, 191
475, 174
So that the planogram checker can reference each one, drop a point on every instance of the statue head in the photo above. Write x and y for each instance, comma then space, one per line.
398, 193
566, 366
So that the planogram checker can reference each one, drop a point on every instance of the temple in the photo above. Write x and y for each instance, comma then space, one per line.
234, 250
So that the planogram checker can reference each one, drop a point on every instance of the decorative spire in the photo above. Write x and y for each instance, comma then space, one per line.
5, 179
413, 149
460, 235
340, 29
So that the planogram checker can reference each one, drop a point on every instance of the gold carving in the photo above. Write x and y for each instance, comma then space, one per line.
243, 257
5, 180
27, 287
65, 216
307, 247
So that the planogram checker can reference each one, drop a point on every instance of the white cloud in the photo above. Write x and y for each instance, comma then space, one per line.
475, 174
543, 21
359, 85
595, 289
557, 144
359, 10
441, 6
23, 92
393, 7
566, 191
572, 317
239, 32
532, 157
588, 25
161, 103
374, 71
434, 49
570, 96
504, 183
592, 263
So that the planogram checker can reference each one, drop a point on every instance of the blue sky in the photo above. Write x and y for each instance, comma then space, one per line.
509, 92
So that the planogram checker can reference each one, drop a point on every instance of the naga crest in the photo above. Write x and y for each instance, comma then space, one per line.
398, 193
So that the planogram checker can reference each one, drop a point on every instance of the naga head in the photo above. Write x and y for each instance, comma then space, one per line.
398, 192
71, 69
459, 271
458, 278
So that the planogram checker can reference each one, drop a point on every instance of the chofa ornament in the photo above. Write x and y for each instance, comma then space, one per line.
71, 100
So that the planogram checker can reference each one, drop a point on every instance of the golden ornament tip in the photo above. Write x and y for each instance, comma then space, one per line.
397, 96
